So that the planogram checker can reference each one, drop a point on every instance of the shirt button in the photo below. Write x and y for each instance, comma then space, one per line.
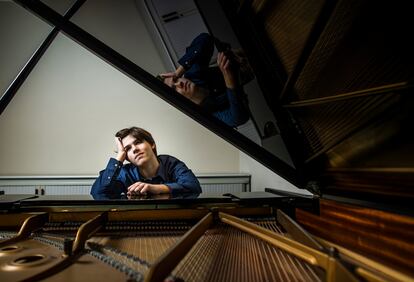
195, 52
109, 177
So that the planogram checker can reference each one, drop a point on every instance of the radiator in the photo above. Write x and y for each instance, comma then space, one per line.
81, 185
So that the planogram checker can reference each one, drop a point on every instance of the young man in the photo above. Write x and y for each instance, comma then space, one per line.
217, 90
146, 173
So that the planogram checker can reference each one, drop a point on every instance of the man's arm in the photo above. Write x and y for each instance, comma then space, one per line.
198, 53
226, 68
107, 182
182, 179
237, 112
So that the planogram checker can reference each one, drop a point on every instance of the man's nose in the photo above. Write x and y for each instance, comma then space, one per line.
135, 149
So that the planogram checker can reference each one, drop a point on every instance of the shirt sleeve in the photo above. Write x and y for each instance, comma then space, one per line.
199, 52
237, 112
183, 179
109, 180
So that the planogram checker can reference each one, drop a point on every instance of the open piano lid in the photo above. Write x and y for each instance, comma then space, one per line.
336, 77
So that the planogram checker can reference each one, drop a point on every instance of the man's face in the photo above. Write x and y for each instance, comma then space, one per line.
138, 153
182, 85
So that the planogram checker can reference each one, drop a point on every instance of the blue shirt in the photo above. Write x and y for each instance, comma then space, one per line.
234, 114
116, 177
197, 58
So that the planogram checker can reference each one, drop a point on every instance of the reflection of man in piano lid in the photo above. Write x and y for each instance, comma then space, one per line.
146, 172
217, 90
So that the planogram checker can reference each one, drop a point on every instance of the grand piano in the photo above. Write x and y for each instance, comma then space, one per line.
336, 78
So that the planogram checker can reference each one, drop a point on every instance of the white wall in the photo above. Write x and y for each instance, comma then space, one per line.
21, 34
119, 25
262, 177
63, 119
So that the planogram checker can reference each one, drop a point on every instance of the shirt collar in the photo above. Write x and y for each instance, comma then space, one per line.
160, 174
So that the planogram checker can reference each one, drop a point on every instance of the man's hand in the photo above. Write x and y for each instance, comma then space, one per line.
141, 196
142, 188
171, 77
121, 153
224, 64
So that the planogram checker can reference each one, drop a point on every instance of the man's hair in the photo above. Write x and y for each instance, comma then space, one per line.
140, 134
